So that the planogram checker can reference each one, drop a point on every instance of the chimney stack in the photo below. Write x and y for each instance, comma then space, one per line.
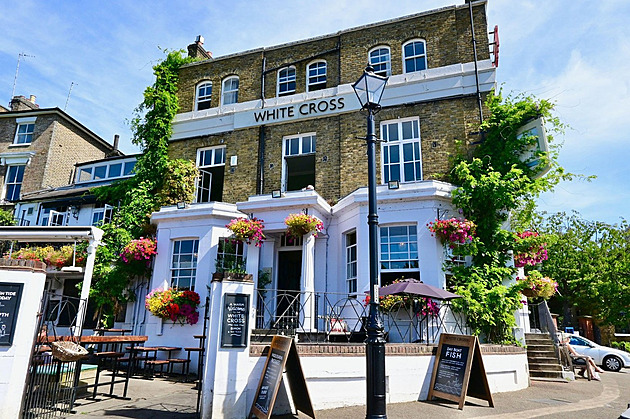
196, 50
20, 103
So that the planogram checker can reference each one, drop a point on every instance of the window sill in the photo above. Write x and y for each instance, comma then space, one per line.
20, 145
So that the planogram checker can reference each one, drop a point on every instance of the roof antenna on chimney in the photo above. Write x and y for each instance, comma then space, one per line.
68, 98
17, 70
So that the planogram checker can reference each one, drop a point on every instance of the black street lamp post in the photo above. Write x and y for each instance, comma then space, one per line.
369, 89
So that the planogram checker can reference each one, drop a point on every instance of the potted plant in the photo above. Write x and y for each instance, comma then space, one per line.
453, 231
53, 257
535, 285
171, 303
247, 230
300, 224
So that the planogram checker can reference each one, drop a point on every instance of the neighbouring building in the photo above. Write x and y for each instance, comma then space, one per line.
40, 147
277, 130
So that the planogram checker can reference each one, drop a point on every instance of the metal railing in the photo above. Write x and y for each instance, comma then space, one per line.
324, 317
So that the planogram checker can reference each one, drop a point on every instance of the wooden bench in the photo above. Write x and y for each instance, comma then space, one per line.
571, 364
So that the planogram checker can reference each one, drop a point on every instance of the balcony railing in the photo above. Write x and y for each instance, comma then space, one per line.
334, 317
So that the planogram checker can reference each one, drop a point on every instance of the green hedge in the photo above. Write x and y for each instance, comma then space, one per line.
625, 346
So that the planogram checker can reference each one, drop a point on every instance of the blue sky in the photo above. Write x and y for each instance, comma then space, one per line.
575, 53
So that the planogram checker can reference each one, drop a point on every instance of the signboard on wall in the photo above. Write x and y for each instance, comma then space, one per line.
10, 298
235, 325
458, 370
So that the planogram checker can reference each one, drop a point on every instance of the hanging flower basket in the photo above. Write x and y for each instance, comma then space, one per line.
530, 249
67, 351
139, 250
537, 286
247, 230
178, 306
453, 231
299, 225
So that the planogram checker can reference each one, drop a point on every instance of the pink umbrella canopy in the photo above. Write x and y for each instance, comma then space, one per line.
416, 287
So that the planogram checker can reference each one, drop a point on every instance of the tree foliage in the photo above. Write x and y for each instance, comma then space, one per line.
158, 181
590, 260
496, 185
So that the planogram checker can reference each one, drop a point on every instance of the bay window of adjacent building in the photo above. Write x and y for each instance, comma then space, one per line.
380, 59
298, 164
286, 81
229, 93
211, 164
414, 56
184, 263
399, 253
351, 262
400, 150
13, 182
316, 76
204, 95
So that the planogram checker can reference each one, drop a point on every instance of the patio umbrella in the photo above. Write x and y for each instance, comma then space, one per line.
413, 286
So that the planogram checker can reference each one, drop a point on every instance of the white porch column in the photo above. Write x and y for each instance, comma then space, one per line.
227, 369
308, 282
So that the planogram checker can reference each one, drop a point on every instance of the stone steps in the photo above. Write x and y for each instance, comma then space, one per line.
541, 357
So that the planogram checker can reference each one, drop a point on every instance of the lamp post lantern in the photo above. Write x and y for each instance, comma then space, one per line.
369, 89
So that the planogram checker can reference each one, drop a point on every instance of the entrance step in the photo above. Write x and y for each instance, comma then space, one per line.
542, 358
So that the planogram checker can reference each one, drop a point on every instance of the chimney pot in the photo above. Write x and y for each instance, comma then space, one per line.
199, 39
32, 98
116, 141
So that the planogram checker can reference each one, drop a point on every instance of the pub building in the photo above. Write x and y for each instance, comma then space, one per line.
278, 130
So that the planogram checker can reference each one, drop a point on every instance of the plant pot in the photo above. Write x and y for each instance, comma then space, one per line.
529, 293
231, 276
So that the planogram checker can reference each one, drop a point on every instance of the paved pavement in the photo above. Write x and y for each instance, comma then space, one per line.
161, 399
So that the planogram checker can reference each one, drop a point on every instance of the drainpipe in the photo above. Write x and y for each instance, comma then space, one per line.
474, 42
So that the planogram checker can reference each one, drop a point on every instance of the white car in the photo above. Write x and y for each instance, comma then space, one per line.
608, 358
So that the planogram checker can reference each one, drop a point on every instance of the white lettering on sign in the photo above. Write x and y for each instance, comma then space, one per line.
453, 353
305, 109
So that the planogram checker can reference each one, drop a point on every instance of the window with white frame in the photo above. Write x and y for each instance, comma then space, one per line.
13, 182
102, 214
399, 253
299, 161
57, 216
211, 164
230, 255
24, 133
103, 170
229, 93
351, 262
400, 150
414, 56
380, 60
184, 264
204, 95
286, 81
316, 76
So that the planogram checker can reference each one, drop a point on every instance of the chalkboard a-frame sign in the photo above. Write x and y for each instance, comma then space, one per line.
10, 298
458, 370
282, 353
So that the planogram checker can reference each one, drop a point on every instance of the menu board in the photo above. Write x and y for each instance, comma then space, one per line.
451, 369
235, 321
282, 355
270, 380
458, 364
10, 298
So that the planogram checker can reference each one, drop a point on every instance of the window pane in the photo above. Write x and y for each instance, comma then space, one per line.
295, 146
115, 170
219, 156
100, 172
408, 152
394, 154
85, 174
129, 168
395, 173
393, 132
407, 132
409, 173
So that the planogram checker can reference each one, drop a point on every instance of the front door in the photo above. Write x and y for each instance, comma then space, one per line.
288, 290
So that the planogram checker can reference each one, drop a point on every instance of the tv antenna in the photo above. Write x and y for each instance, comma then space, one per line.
68, 98
20, 56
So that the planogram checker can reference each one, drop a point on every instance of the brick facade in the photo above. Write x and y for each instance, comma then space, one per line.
340, 160
58, 143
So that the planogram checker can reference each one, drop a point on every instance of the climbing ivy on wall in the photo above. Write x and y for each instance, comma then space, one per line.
495, 189
158, 181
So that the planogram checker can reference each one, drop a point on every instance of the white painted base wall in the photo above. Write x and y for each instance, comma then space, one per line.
338, 381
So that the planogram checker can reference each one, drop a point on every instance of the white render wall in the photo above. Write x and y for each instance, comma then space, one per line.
338, 381
14, 359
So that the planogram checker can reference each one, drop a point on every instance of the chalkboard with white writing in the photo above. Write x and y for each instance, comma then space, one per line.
235, 321
10, 298
451, 369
